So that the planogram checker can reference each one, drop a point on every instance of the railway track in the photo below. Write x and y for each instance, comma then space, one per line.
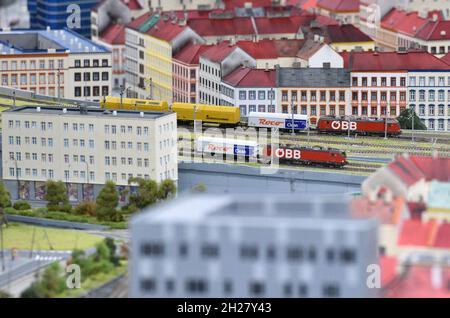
359, 148
419, 136
115, 288
358, 167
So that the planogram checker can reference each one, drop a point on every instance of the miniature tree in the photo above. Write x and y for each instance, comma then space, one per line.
56, 196
107, 201
167, 189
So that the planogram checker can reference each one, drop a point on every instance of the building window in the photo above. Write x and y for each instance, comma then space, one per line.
249, 252
256, 288
210, 251
148, 285
330, 290
196, 286
261, 95
152, 249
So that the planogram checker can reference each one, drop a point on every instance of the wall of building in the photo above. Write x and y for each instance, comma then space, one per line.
249, 99
218, 178
313, 106
431, 100
89, 151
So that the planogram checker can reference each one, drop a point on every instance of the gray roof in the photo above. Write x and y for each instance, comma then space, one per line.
313, 77
90, 111
252, 210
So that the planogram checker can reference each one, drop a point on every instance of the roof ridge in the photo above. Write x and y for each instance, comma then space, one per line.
244, 75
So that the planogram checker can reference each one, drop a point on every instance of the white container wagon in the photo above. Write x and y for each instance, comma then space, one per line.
277, 120
212, 146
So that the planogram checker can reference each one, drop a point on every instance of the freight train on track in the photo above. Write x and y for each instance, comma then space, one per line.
228, 116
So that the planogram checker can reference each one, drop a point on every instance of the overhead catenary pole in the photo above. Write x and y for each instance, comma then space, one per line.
59, 86
386, 123
122, 90
413, 115
293, 122
151, 88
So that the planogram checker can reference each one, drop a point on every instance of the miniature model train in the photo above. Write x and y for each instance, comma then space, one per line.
221, 148
228, 116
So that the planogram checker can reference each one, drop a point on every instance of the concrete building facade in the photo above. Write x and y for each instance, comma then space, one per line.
252, 90
313, 91
32, 60
216, 63
85, 148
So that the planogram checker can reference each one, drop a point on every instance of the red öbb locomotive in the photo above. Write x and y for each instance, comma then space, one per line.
362, 126
296, 155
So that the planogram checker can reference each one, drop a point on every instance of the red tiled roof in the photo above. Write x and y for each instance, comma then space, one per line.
435, 31
442, 239
446, 58
136, 23
406, 170
417, 233
166, 30
388, 267
434, 168
222, 27
113, 34
219, 52
324, 20
347, 33
282, 25
393, 61
133, 4
247, 77
233, 4
401, 21
190, 54
271, 49
418, 283
385, 212
307, 4
339, 5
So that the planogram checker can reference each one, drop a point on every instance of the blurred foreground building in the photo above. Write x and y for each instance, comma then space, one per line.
232, 246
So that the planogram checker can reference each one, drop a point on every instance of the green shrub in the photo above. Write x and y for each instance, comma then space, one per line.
86, 208
5, 197
10, 210
129, 209
21, 205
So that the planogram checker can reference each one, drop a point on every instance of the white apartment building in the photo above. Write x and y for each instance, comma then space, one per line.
32, 59
252, 246
85, 148
429, 96
252, 90
216, 63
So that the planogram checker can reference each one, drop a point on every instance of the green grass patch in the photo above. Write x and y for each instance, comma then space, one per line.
17, 235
